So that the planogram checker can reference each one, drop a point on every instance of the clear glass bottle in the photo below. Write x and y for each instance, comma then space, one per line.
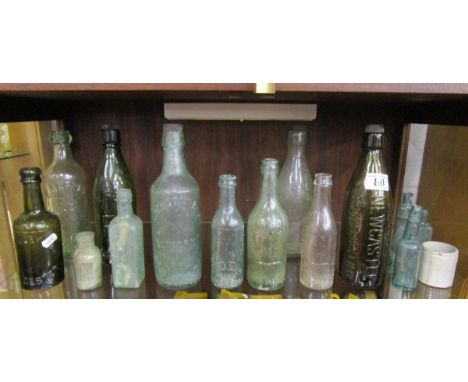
227, 238
267, 233
112, 174
318, 249
38, 241
126, 244
366, 216
425, 228
295, 188
87, 262
408, 254
175, 217
65, 186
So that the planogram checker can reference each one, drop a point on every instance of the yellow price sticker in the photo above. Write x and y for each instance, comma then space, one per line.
266, 296
195, 295
225, 293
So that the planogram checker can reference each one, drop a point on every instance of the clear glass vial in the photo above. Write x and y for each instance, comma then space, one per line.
87, 262
267, 232
318, 250
295, 188
227, 238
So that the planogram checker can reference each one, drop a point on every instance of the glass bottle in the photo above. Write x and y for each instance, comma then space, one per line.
408, 254
366, 216
267, 233
38, 241
87, 262
175, 217
318, 249
227, 238
65, 186
126, 244
402, 218
425, 228
295, 189
111, 175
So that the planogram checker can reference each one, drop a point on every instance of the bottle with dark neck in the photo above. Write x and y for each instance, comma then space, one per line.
227, 238
295, 188
112, 174
38, 242
267, 233
175, 217
366, 216
408, 254
65, 185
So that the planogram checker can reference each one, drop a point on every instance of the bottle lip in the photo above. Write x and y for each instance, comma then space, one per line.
227, 180
60, 137
30, 175
270, 164
374, 128
323, 179
415, 214
124, 195
297, 136
173, 135
85, 237
110, 134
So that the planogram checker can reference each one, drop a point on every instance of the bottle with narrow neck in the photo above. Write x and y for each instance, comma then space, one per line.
65, 186
38, 240
112, 174
295, 188
425, 228
227, 238
175, 217
87, 261
267, 235
366, 216
408, 254
126, 244
318, 250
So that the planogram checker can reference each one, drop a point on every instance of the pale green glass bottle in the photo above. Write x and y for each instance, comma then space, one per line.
65, 186
175, 217
295, 188
126, 244
227, 238
87, 262
425, 228
267, 233
408, 254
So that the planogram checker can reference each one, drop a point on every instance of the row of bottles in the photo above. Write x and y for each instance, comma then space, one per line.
292, 217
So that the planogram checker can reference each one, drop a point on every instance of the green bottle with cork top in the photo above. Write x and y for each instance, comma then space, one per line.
38, 237
366, 216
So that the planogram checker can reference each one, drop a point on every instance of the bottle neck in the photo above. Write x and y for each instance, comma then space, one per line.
62, 152
322, 196
295, 151
32, 197
227, 198
173, 160
411, 232
268, 187
124, 208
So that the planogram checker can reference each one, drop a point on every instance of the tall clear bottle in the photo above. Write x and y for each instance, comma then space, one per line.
38, 241
408, 254
318, 249
425, 228
175, 217
112, 174
126, 244
267, 233
65, 186
366, 216
295, 188
227, 238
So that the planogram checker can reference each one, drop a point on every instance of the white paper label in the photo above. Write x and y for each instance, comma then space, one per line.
377, 182
46, 243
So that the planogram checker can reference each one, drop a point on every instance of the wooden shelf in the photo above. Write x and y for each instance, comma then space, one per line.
12, 155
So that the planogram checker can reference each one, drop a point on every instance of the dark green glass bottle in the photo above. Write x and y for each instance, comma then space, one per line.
366, 216
112, 174
37, 237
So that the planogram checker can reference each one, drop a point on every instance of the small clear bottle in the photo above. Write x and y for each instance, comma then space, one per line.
227, 238
295, 188
425, 228
408, 254
87, 261
267, 233
126, 244
318, 250
175, 217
